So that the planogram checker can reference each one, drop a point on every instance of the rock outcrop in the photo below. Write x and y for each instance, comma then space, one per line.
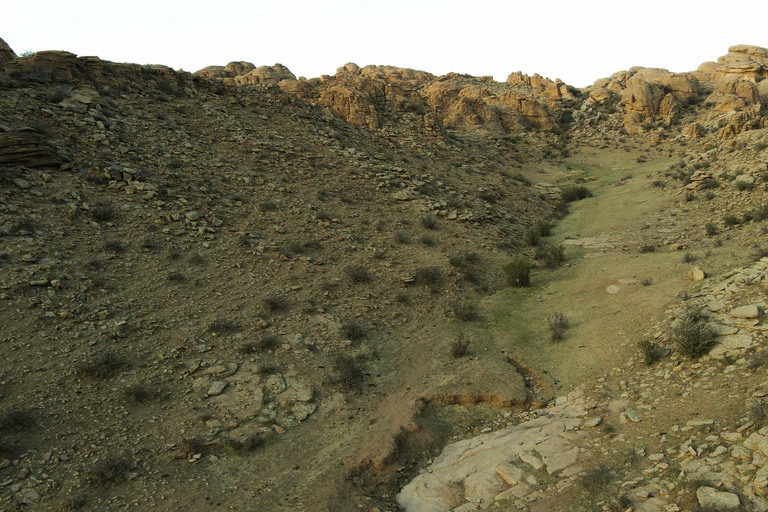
6, 53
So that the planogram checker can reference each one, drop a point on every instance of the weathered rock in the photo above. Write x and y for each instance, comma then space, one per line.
748, 311
29, 148
6, 53
713, 499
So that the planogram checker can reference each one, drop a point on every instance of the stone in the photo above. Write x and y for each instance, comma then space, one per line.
509, 473
192, 215
593, 422
634, 416
712, 499
748, 311
695, 274
217, 387
612, 289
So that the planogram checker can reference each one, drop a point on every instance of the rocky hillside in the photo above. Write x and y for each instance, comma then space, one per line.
242, 289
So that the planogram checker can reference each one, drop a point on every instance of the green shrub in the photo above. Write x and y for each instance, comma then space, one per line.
709, 184
745, 185
731, 220
575, 193
543, 227
710, 229
518, 272
532, 237
647, 248
554, 256
691, 334
429, 221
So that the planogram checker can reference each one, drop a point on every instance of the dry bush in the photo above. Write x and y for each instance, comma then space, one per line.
459, 346
691, 334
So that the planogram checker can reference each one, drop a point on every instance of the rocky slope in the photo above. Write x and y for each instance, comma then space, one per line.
240, 288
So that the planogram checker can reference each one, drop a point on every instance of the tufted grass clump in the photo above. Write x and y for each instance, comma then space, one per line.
275, 302
650, 351
691, 334
518, 272
353, 331
757, 409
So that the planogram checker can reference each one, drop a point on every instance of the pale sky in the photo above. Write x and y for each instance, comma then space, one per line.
576, 41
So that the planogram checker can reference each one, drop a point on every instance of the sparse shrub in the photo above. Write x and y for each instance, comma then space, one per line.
105, 366
558, 324
149, 245
596, 479
575, 193
709, 184
402, 238
647, 281
103, 213
521, 179
428, 276
691, 334
761, 146
269, 369
462, 309
111, 470
138, 394
403, 298
758, 360
198, 259
428, 241
115, 247
518, 272
348, 371
193, 445
650, 351
429, 221
177, 277
710, 229
358, 274
689, 196
221, 326
57, 93
353, 331
709, 195
689, 257
745, 185
532, 237
268, 206
731, 220
459, 346
647, 248
658, 183
17, 420
757, 408
275, 302
249, 444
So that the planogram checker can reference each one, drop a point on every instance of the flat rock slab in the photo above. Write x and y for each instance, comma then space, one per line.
491, 465
712, 499
748, 311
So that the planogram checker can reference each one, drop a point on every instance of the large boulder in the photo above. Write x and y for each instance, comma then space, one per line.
6, 53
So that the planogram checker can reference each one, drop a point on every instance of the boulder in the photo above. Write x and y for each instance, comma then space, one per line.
6, 53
